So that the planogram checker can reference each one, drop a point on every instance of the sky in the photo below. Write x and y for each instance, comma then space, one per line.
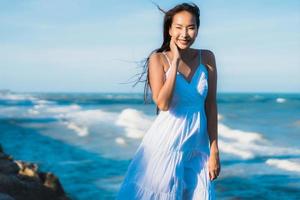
95, 46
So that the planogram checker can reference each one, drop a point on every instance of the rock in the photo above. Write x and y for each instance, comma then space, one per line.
23, 181
28, 169
8, 167
51, 181
5, 197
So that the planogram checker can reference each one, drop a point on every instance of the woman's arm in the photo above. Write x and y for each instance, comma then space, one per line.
211, 103
162, 90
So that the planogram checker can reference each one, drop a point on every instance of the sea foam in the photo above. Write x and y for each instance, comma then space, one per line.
285, 164
135, 122
248, 145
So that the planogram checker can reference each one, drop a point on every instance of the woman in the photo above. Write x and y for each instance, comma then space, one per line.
178, 157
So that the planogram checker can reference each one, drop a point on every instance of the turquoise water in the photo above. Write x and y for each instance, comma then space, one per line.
88, 139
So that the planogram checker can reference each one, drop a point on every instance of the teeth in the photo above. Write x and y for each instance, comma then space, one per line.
184, 41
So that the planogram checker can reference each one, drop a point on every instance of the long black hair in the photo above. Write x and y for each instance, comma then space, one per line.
168, 19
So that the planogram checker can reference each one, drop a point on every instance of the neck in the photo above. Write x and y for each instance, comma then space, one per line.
184, 52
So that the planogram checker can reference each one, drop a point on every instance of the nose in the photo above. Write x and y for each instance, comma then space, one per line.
184, 32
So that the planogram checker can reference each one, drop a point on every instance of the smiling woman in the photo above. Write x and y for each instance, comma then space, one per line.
178, 157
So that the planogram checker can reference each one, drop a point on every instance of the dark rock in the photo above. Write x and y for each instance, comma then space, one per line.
21, 180
5, 197
8, 167
51, 181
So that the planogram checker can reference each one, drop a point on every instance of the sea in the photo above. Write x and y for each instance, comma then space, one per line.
89, 139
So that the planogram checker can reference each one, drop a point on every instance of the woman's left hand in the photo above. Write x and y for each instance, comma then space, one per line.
214, 165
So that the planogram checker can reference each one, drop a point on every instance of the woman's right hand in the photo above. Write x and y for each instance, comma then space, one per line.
174, 49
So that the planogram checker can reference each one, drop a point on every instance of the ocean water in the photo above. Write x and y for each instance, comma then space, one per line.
88, 139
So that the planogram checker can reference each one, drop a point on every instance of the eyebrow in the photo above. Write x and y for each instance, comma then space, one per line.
187, 25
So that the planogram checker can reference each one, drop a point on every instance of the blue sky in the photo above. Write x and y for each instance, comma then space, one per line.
93, 46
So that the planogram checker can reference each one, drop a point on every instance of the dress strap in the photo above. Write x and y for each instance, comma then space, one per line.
167, 58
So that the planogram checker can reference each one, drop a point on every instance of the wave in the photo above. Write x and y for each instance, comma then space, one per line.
238, 135
63, 109
80, 120
92, 98
280, 100
285, 164
80, 130
75, 162
132, 124
16, 97
135, 122
255, 98
120, 141
248, 145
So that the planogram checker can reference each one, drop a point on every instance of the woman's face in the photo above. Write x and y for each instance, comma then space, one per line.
184, 29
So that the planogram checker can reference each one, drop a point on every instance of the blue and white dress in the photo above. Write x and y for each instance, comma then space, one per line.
171, 162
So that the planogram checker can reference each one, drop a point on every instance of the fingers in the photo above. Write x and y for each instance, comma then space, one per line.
172, 39
213, 174
174, 48
214, 167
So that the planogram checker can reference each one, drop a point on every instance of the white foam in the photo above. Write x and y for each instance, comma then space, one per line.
63, 109
120, 141
80, 120
280, 100
232, 148
33, 112
90, 116
75, 162
41, 102
120, 96
285, 164
247, 145
81, 130
16, 97
42, 106
135, 122
23, 97
39, 106
238, 135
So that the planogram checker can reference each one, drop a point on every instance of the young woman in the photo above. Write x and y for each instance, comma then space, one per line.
178, 157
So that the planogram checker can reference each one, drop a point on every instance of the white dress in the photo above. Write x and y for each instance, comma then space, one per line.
171, 163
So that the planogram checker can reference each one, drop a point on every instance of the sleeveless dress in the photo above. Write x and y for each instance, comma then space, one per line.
171, 162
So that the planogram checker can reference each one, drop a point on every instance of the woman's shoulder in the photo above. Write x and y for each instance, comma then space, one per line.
208, 57
158, 59
156, 55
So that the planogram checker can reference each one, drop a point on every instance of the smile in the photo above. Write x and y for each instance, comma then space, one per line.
184, 41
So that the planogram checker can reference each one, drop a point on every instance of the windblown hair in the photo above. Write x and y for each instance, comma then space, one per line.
168, 19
